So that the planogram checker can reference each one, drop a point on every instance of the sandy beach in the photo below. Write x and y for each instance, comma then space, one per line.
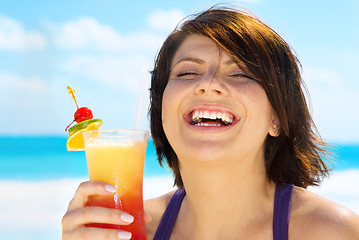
33, 210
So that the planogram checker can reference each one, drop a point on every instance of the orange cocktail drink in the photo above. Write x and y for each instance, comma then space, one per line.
117, 157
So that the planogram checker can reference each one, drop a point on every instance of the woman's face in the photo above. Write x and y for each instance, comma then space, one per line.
211, 111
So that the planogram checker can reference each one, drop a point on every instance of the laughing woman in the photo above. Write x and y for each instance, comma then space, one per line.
229, 116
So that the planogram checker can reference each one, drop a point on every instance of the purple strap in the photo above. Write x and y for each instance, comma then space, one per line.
168, 220
283, 194
282, 199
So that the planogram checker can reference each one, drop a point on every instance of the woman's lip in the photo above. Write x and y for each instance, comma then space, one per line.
211, 108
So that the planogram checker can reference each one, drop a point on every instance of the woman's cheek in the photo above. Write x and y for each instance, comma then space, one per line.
167, 108
173, 97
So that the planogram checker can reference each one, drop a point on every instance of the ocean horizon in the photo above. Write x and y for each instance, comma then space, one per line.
45, 157
38, 178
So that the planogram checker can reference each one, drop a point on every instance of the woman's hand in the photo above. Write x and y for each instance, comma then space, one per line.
78, 215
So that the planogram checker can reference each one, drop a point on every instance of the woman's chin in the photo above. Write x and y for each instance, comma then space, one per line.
205, 155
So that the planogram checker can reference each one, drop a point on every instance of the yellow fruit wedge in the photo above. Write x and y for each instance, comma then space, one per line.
76, 142
84, 124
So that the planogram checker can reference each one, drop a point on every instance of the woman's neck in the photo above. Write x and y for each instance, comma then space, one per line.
225, 198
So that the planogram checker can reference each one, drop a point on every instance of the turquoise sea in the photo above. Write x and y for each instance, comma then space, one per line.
44, 158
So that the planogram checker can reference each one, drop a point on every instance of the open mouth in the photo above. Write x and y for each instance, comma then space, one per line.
205, 118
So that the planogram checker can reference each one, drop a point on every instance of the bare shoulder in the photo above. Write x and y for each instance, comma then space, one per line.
315, 217
155, 208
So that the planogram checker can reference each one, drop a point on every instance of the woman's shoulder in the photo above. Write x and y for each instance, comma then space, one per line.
315, 217
155, 208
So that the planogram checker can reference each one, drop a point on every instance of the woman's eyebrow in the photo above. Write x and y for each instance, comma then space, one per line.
242, 67
190, 59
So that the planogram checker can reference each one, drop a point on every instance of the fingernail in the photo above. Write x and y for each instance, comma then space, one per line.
127, 218
110, 188
124, 235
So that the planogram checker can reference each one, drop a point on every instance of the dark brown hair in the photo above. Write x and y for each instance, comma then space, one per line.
295, 156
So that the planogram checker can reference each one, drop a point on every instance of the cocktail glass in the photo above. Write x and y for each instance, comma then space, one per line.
117, 157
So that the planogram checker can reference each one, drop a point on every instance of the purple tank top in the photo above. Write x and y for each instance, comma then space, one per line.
283, 194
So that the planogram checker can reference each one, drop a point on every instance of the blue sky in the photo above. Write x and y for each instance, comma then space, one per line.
105, 49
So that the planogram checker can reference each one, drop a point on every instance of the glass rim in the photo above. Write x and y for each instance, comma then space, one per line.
118, 132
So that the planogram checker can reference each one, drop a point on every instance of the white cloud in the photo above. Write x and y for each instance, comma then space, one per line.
14, 37
30, 105
334, 104
144, 41
323, 78
88, 33
125, 72
165, 20
12, 81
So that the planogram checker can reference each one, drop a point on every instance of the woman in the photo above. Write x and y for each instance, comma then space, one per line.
229, 116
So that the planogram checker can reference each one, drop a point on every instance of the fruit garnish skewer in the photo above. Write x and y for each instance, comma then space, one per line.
85, 122
82, 113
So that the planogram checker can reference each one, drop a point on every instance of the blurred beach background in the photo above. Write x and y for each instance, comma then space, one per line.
105, 50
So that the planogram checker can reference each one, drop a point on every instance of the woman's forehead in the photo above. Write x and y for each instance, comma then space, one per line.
196, 48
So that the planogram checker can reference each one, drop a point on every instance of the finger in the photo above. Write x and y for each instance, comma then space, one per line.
88, 233
82, 216
87, 189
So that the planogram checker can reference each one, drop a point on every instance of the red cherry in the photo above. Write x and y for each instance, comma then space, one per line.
83, 114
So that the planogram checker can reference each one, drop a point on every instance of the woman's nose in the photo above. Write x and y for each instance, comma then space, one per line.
211, 84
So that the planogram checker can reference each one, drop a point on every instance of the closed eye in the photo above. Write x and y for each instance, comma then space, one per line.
240, 75
186, 74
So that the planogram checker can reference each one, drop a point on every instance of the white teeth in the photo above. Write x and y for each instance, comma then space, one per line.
208, 124
197, 117
205, 114
213, 116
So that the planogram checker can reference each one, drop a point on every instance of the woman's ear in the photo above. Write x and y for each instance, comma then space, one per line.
274, 129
